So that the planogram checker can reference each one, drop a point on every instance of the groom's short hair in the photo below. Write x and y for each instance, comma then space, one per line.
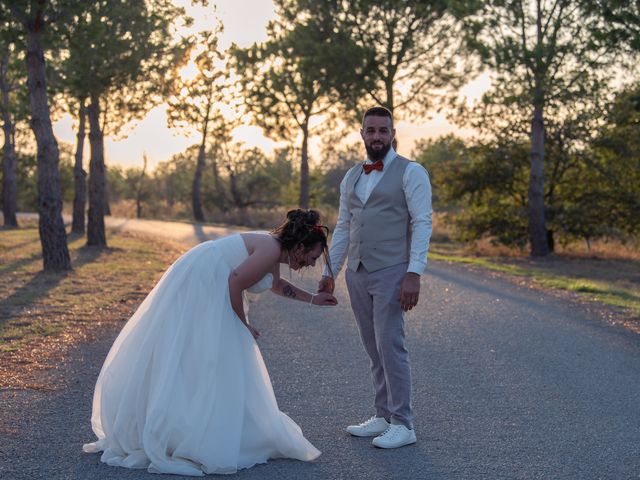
378, 112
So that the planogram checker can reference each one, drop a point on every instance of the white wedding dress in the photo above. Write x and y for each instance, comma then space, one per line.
184, 389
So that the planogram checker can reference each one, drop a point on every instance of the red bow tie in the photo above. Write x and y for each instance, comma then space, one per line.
369, 167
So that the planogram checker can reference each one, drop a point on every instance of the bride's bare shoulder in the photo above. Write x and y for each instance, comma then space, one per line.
262, 241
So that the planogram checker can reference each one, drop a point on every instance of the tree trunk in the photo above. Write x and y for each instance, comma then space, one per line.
304, 166
551, 241
236, 198
95, 228
9, 157
537, 227
390, 105
196, 200
107, 190
216, 174
170, 190
55, 252
79, 175
139, 187
389, 92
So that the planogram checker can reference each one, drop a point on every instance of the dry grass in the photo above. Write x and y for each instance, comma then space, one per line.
605, 276
42, 314
605, 273
605, 249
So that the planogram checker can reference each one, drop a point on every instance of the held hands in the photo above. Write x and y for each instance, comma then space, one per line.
409, 291
325, 291
324, 299
326, 284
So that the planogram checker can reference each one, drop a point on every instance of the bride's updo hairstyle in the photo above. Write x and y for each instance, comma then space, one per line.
303, 227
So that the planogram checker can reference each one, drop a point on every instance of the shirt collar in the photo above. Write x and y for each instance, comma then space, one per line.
391, 154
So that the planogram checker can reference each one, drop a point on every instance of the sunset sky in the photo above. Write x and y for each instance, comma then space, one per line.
243, 26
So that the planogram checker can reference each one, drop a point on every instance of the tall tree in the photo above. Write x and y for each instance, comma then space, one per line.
72, 97
140, 185
442, 157
286, 82
409, 49
34, 18
195, 102
489, 176
612, 170
545, 52
252, 178
13, 109
121, 75
79, 174
96, 234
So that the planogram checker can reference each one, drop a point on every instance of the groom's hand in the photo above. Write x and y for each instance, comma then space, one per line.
326, 284
409, 291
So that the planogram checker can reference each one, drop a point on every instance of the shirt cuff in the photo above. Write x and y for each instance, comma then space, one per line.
416, 267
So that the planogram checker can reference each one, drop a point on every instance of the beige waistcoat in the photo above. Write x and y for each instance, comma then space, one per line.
379, 230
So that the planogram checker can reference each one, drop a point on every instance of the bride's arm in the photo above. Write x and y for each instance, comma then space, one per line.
286, 289
256, 266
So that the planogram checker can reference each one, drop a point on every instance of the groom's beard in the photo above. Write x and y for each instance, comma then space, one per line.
377, 154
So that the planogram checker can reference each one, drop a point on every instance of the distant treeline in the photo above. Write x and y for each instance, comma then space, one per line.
555, 155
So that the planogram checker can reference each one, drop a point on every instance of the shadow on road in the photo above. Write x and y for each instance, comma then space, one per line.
201, 235
42, 283
463, 280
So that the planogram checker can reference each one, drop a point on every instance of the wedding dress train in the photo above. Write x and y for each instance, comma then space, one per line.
184, 388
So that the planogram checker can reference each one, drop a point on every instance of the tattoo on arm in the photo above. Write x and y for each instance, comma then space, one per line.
287, 291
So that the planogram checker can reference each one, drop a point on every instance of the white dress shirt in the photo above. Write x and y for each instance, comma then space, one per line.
417, 192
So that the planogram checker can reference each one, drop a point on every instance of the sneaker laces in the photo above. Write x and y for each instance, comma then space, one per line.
390, 431
366, 423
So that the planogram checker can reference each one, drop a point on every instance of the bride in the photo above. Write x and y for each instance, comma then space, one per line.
184, 389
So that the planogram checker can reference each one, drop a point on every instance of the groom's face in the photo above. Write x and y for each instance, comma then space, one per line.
377, 133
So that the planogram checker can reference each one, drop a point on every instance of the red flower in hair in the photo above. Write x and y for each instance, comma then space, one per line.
320, 229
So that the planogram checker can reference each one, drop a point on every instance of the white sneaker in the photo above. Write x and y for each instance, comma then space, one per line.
394, 437
369, 428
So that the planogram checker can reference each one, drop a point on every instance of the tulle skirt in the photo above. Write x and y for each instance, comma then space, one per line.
184, 388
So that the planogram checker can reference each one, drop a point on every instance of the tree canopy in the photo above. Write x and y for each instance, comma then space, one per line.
552, 157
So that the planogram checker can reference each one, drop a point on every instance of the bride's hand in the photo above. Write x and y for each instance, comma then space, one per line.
253, 331
324, 299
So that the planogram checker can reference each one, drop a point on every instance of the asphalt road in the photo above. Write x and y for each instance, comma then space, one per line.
509, 383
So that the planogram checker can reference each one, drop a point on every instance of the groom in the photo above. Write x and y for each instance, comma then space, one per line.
384, 227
